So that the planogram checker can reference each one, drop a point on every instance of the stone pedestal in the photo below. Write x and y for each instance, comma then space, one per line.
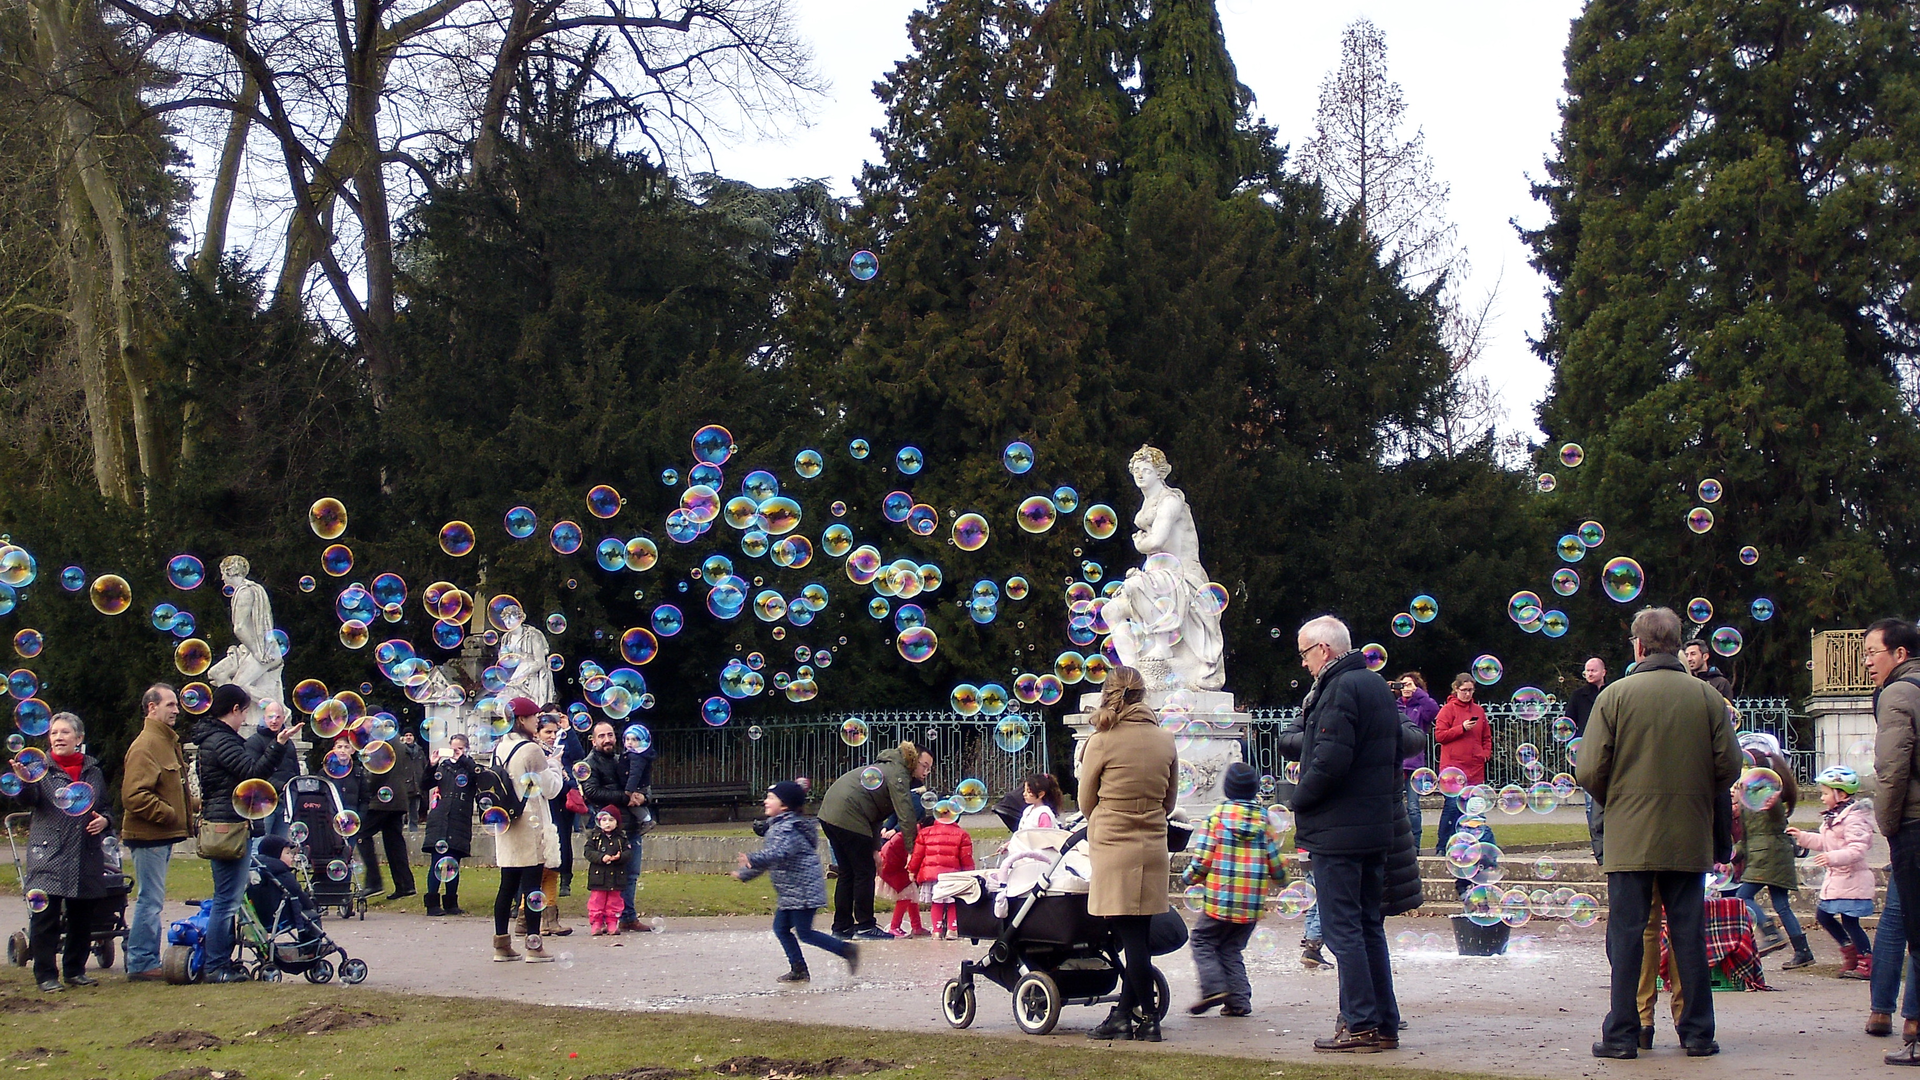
1215, 736
1841, 721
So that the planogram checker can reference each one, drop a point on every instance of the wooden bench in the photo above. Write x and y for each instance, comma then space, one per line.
728, 796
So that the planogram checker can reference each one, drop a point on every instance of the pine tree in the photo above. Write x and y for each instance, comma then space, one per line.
1731, 249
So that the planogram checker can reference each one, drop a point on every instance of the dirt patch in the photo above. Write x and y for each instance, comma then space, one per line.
472, 1074
34, 1053
645, 1072
324, 1018
790, 1068
178, 1039
201, 1072
20, 1004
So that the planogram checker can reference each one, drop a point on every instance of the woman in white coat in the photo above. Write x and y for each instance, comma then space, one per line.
523, 849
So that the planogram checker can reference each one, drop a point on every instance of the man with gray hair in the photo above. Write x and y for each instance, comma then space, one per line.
1346, 808
1659, 757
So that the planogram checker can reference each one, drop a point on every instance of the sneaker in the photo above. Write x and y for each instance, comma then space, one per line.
853, 960
1232, 1010
1199, 1008
795, 975
895, 931
1311, 957
872, 933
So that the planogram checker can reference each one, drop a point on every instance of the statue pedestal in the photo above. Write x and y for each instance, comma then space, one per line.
1214, 738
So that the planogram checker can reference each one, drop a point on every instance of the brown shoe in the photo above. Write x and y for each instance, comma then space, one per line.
1879, 1023
1343, 1041
1910, 1030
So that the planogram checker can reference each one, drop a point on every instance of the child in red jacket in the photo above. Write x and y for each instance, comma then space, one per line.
941, 848
893, 871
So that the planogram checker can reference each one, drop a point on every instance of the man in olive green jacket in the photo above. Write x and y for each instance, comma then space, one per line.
851, 814
1892, 654
1658, 752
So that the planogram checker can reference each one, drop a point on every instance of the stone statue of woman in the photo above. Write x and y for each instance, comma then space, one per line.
255, 662
1164, 620
523, 655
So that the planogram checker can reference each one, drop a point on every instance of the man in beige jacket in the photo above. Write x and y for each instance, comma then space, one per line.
157, 815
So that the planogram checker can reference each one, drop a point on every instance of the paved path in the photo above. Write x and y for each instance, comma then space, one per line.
1522, 1015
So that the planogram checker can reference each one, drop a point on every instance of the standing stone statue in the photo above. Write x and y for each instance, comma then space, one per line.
255, 662
523, 655
1165, 620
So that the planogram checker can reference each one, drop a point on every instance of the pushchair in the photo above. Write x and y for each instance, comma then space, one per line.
109, 913
1045, 948
280, 944
309, 805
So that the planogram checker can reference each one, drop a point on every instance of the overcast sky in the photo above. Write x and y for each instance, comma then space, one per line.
1482, 77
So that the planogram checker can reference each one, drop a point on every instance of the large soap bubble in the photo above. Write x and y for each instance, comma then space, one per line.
1622, 579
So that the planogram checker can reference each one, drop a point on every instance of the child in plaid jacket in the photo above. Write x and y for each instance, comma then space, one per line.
1235, 858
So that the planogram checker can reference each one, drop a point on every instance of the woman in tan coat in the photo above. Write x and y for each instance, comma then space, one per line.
1129, 780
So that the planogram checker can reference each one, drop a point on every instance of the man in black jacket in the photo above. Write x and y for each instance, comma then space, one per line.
1345, 807
1580, 705
607, 785
223, 761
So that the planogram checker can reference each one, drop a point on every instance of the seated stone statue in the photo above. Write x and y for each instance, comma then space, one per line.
1165, 621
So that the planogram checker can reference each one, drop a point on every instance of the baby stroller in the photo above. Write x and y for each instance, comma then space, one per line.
1046, 949
109, 913
275, 946
309, 806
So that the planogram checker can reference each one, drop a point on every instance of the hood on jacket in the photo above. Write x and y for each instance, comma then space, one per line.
209, 728
1242, 820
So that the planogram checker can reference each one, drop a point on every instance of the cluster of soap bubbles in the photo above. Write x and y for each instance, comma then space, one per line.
1488, 905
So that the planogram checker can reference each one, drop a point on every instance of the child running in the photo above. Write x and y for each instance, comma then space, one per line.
1846, 830
791, 855
941, 848
1042, 793
607, 856
1235, 856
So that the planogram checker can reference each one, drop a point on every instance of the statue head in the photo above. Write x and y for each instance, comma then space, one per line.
1148, 461
511, 617
233, 569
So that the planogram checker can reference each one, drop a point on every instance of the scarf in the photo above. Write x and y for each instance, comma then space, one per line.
70, 763
1828, 817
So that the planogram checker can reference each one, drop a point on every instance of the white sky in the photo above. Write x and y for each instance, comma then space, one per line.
1482, 77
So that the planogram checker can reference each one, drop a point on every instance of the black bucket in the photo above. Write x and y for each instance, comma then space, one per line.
1473, 939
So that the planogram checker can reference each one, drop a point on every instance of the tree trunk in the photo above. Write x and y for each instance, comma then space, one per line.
506, 62
106, 413
367, 71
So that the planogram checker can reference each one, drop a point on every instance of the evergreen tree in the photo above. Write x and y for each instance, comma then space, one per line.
1731, 247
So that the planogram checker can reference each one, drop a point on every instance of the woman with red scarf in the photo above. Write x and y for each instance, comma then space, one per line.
66, 864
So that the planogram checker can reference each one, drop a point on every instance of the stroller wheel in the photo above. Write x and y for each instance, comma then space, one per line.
176, 965
320, 972
17, 948
1036, 1003
957, 1003
1163, 996
103, 954
266, 973
353, 972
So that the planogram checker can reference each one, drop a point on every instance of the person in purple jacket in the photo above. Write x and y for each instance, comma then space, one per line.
1419, 708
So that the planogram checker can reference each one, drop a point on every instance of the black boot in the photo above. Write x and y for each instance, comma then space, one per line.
433, 904
451, 905
1145, 1028
1117, 1025
566, 884
1802, 954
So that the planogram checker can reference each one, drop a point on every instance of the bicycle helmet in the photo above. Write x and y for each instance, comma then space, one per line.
1839, 778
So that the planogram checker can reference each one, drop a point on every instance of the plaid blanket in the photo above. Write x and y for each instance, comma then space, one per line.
1730, 947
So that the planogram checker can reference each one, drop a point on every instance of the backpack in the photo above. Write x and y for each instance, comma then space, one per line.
495, 786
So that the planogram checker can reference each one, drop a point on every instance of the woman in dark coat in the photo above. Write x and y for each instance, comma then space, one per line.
66, 863
449, 831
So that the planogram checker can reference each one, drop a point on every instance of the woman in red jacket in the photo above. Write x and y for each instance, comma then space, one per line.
1466, 743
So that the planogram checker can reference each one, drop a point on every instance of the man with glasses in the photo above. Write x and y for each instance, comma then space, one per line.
1659, 757
1892, 655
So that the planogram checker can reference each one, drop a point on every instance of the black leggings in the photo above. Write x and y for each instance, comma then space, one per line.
1845, 930
1137, 977
515, 883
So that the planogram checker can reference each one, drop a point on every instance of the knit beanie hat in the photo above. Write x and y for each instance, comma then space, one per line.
1242, 783
790, 794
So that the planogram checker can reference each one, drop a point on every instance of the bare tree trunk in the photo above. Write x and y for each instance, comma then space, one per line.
105, 408
506, 63
367, 77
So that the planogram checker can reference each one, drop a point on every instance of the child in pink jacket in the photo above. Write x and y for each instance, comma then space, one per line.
1846, 829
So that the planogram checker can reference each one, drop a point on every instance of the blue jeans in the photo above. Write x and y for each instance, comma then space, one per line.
794, 925
633, 879
1352, 888
1751, 894
1413, 811
1312, 927
1889, 960
229, 890
144, 929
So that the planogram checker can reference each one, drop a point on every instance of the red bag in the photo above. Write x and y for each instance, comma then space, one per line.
576, 804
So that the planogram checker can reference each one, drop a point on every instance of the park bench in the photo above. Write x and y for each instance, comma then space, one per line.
728, 796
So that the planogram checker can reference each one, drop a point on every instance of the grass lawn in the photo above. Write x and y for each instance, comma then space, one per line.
89, 1032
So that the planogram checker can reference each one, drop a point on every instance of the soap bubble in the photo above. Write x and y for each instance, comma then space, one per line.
1424, 781
327, 518
1727, 641
111, 595
307, 584
1016, 588
446, 869
1017, 457
1700, 609
347, 823
971, 794
1036, 514
917, 645
1374, 655
520, 522
712, 445
872, 778
1403, 625
28, 643
1762, 609
603, 501
1622, 579
1759, 788
853, 731
1545, 869
565, 537
255, 799
970, 532
1583, 910
1570, 549
1749, 555
1710, 492
1452, 781
1566, 581
1487, 669
1571, 455
1100, 521
338, 764
1546, 483
1066, 499
72, 579
638, 645
1012, 733
863, 265
716, 711
1554, 623
37, 900
1592, 534
1563, 729
185, 572
378, 757
1700, 519
1423, 608
1481, 904
909, 460
456, 538
32, 717
337, 870
1519, 603
192, 657
1529, 703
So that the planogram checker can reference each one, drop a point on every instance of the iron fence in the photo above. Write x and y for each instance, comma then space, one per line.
1513, 728
786, 747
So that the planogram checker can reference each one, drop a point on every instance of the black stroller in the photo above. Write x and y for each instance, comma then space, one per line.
309, 806
290, 938
109, 914
1049, 952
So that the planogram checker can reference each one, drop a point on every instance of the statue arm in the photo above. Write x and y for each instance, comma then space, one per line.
1158, 536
